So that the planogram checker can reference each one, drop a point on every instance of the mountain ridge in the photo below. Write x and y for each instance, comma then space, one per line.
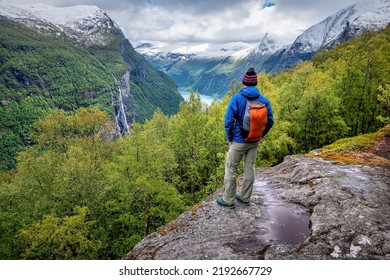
86, 24
350, 22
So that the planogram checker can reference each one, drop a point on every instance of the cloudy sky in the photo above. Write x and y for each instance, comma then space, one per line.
215, 21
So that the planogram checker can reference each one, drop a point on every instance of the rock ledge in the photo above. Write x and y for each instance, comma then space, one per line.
346, 209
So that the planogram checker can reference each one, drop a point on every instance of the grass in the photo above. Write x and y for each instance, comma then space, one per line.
366, 149
354, 144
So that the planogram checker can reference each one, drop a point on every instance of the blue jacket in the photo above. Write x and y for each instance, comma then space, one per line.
236, 110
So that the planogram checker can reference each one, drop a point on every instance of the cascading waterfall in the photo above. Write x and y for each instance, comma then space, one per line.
121, 116
122, 125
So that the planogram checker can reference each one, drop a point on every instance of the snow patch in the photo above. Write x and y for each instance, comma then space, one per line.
368, 15
85, 23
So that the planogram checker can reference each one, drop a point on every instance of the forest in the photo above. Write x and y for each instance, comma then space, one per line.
76, 193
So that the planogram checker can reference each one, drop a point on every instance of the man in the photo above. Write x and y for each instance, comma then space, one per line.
238, 147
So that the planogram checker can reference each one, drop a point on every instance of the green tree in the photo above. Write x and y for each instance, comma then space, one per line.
278, 143
140, 195
60, 130
384, 98
358, 68
65, 169
12, 208
311, 108
187, 141
214, 148
65, 239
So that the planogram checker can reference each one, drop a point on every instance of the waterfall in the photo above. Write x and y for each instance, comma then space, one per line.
121, 119
122, 125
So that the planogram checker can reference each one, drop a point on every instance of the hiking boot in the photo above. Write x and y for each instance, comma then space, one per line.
238, 197
224, 203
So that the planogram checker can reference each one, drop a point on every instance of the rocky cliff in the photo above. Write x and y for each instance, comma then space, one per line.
304, 208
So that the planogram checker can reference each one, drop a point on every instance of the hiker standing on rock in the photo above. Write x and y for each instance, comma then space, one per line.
248, 119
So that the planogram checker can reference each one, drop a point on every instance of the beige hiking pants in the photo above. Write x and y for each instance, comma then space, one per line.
236, 152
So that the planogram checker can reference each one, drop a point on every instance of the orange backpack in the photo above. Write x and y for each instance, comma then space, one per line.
255, 120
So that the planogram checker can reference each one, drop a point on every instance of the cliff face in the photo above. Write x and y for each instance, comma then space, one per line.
303, 208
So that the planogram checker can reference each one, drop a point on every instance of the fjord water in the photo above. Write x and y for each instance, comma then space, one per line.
205, 98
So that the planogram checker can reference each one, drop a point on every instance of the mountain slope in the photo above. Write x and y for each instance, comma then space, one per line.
217, 80
67, 58
208, 68
186, 65
369, 15
84, 24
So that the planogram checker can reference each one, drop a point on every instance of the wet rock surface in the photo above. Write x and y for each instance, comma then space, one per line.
303, 208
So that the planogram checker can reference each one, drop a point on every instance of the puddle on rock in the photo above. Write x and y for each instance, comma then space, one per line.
282, 222
286, 226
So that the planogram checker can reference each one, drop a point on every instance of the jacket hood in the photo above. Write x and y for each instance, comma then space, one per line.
250, 92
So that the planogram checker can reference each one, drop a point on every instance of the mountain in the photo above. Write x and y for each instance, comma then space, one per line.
68, 58
84, 24
368, 15
217, 80
212, 75
186, 64
156, 49
207, 68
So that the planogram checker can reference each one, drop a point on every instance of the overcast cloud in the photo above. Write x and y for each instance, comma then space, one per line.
217, 21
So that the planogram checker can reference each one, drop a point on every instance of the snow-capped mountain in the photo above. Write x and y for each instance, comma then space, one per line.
187, 62
233, 51
368, 15
217, 80
267, 46
206, 67
165, 56
201, 50
83, 23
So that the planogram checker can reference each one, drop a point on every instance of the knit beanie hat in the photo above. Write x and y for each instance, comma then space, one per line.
250, 77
